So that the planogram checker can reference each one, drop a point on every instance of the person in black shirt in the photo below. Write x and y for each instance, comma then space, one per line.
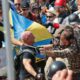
28, 66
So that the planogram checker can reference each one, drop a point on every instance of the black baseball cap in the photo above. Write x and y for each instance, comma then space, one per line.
25, 4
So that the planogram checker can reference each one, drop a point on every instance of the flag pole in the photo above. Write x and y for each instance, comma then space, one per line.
9, 55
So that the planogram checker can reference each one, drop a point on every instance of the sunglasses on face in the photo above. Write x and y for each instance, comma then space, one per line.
49, 16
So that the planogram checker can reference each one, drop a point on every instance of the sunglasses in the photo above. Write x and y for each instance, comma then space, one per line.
49, 16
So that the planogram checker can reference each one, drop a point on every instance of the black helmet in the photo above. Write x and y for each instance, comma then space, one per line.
74, 18
55, 66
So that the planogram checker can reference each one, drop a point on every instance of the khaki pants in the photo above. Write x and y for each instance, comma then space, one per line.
49, 62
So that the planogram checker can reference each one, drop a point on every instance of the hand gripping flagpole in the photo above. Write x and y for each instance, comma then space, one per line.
9, 56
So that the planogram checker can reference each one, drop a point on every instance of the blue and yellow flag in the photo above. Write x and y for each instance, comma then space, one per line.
21, 24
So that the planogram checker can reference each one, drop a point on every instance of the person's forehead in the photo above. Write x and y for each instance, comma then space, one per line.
17, 1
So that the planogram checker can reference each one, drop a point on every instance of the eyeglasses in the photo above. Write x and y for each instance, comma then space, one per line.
49, 16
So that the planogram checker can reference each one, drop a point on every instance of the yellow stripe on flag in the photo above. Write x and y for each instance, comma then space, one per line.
40, 32
10, 18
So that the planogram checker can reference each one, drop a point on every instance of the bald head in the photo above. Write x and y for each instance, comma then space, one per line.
27, 37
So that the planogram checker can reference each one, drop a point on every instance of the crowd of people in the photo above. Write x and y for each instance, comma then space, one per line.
62, 19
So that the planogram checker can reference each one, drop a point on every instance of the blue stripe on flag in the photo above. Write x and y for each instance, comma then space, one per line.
20, 24
43, 42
